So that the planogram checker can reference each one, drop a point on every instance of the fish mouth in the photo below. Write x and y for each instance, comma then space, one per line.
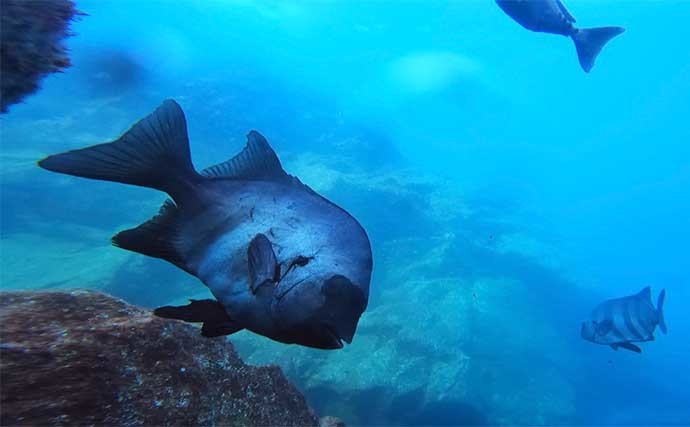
334, 337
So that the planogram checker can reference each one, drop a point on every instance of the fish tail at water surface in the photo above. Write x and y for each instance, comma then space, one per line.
154, 153
590, 41
660, 311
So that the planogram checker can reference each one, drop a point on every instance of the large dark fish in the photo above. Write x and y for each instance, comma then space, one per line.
551, 16
281, 260
622, 321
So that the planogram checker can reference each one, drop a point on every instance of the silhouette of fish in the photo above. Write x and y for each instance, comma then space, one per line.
622, 321
551, 16
281, 260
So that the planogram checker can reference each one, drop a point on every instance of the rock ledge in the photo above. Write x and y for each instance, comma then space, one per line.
85, 358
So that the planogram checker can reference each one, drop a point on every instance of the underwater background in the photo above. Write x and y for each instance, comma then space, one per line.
505, 192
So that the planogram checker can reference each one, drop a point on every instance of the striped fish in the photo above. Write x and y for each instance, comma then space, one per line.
622, 321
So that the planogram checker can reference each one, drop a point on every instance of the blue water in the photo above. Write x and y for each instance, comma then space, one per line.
505, 191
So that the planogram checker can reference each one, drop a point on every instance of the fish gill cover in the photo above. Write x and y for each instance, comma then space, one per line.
506, 193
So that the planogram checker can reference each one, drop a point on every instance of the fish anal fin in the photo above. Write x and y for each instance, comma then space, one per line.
262, 264
157, 237
630, 346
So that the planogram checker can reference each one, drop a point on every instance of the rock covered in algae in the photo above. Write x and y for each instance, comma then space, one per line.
85, 358
32, 32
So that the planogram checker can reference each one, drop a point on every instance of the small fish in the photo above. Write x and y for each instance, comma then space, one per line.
280, 260
551, 16
622, 321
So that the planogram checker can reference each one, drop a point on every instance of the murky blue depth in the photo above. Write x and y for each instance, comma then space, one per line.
505, 192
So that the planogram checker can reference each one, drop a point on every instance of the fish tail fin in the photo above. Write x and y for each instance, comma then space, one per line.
590, 41
660, 311
154, 153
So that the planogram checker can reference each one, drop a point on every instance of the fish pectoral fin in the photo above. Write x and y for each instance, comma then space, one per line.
630, 346
207, 311
263, 267
216, 321
211, 329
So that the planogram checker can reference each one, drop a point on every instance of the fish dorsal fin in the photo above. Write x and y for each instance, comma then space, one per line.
257, 161
565, 12
645, 294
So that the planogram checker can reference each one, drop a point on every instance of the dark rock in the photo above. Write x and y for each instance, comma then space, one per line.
31, 32
85, 358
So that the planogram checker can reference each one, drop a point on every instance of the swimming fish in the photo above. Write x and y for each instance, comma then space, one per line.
622, 321
280, 260
551, 16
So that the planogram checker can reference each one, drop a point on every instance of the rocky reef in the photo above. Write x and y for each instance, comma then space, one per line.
32, 32
85, 358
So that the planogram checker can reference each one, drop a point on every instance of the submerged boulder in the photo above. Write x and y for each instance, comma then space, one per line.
85, 358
